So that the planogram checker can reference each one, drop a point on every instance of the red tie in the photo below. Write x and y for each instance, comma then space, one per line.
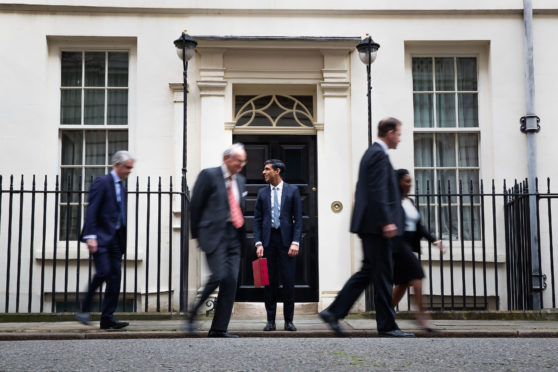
236, 213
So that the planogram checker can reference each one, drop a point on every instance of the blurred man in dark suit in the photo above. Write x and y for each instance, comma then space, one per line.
277, 233
104, 232
378, 220
217, 222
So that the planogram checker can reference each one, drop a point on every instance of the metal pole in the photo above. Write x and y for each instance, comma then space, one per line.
185, 192
530, 126
369, 293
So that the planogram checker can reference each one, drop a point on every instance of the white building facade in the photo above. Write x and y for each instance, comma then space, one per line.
82, 79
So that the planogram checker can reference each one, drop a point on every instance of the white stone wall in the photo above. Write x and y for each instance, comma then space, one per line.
32, 35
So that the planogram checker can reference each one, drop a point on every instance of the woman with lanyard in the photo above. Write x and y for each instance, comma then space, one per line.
407, 269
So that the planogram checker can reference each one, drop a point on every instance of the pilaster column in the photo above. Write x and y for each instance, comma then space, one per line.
335, 182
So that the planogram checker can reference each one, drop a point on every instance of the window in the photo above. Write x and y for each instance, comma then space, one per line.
93, 122
274, 111
446, 141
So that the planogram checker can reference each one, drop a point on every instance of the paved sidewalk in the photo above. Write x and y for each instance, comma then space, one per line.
308, 326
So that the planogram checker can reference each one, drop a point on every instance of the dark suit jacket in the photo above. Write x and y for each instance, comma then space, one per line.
103, 212
210, 210
413, 237
377, 196
290, 217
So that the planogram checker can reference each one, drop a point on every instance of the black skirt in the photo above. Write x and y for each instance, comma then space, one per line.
406, 265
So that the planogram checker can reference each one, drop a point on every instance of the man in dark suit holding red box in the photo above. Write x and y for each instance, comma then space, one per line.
278, 230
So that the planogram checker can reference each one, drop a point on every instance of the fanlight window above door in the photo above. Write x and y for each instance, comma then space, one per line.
274, 111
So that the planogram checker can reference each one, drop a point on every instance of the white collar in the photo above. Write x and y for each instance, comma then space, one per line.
279, 186
382, 144
226, 173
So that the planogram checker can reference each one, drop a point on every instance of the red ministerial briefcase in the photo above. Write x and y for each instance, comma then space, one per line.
261, 276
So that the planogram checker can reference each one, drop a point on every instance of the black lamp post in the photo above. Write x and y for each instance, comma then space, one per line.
185, 48
367, 50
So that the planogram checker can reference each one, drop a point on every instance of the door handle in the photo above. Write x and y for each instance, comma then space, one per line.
314, 189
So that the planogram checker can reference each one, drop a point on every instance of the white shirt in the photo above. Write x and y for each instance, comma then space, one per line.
227, 174
279, 188
382, 144
411, 215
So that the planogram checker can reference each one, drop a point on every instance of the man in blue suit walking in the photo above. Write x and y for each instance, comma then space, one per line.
278, 230
104, 232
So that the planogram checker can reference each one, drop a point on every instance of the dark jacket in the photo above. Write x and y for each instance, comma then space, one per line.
103, 212
377, 196
290, 217
210, 210
413, 237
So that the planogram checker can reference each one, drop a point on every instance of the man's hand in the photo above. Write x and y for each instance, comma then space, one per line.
92, 245
293, 250
438, 243
389, 231
259, 251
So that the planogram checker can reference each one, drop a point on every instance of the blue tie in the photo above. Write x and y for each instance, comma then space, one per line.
275, 209
122, 206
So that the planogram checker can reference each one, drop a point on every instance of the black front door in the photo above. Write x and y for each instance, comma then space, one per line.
299, 155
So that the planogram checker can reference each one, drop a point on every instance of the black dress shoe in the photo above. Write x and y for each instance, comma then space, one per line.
270, 326
190, 325
396, 333
221, 334
289, 326
83, 318
330, 319
114, 325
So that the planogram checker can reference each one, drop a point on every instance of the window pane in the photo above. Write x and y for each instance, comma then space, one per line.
449, 222
466, 177
68, 222
69, 180
447, 184
117, 110
71, 69
72, 146
428, 219
468, 150
118, 140
466, 73
424, 180
445, 150
423, 110
95, 69
94, 106
444, 74
422, 74
471, 220
468, 110
424, 150
445, 110
70, 106
118, 69
90, 175
307, 101
95, 147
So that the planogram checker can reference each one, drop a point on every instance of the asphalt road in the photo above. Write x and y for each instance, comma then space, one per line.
287, 354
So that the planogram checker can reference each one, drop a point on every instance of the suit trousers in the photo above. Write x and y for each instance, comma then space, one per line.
224, 264
108, 263
278, 261
377, 268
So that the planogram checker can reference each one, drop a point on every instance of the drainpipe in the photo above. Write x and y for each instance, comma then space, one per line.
530, 126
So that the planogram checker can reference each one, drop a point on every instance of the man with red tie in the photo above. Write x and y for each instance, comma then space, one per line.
217, 223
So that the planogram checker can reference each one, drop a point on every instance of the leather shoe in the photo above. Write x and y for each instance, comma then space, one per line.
396, 333
190, 325
332, 322
270, 326
114, 325
83, 318
289, 326
221, 334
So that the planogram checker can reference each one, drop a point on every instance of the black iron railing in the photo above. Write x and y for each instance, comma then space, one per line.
487, 264
46, 268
